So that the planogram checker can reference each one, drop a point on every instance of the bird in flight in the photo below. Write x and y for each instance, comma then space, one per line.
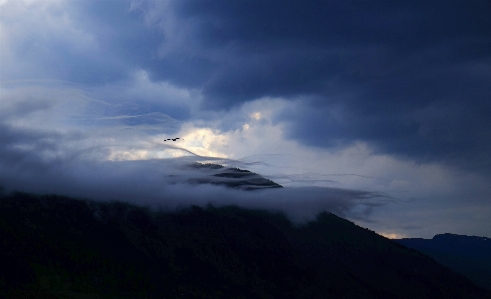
173, 139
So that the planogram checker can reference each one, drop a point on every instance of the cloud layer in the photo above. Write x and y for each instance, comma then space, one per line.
167, 184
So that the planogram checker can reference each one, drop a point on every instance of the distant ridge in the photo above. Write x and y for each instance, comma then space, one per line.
468, 255
231, 177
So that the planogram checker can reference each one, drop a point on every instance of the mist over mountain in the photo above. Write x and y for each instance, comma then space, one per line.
469, 255
174, 183
179, 228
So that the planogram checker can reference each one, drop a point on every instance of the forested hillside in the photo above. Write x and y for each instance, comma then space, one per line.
58, 247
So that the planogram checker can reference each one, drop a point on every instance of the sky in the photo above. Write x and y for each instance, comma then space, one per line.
379, 111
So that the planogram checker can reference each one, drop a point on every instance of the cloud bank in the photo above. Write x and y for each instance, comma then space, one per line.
168, 184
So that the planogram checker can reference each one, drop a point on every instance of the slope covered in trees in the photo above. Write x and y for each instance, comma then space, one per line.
58, 247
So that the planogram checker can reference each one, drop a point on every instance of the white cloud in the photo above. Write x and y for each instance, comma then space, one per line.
256, 115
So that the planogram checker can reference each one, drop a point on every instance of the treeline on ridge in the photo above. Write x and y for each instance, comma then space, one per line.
58, 247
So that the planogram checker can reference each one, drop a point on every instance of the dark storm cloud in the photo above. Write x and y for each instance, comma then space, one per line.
282, 48
410, 77
126, 43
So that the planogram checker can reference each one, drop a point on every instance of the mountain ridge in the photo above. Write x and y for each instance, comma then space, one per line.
62, 247
469, 255
231, 177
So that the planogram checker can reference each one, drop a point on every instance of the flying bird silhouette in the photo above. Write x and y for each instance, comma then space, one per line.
173, 139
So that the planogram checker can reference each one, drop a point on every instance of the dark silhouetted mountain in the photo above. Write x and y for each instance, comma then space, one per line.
230, 177
469, 255
57, 247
